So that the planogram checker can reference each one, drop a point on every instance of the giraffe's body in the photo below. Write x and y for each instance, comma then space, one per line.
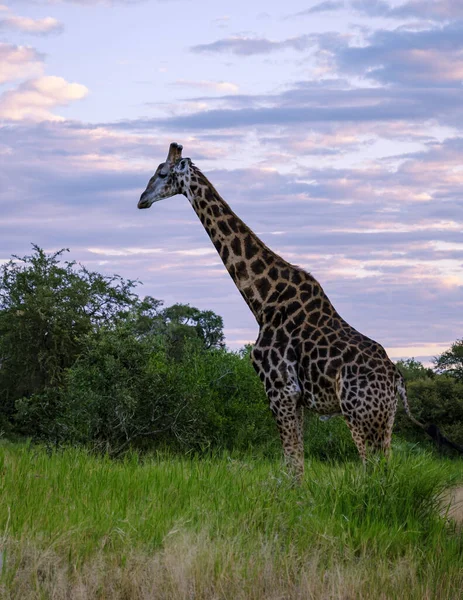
305, 354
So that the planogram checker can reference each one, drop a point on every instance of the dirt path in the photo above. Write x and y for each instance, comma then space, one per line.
455, 511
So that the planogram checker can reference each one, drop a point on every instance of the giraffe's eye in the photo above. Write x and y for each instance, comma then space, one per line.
162, 175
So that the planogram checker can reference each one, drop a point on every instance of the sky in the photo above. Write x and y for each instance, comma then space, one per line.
334, 129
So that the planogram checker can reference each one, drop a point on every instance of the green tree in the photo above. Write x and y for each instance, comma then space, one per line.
413, 370
184, 323
178, 323
147, 317
47, 307
450, 362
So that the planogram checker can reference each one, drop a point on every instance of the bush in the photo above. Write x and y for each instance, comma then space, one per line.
129, 391
438, 400
85, 361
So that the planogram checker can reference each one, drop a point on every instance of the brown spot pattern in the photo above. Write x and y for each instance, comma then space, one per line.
306, 354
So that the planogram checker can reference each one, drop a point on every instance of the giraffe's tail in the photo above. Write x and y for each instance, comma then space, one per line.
431, 429
401, 390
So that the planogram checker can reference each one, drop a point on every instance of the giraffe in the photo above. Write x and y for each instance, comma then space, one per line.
306, 355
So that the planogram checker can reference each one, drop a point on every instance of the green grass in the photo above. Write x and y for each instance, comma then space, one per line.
225, 528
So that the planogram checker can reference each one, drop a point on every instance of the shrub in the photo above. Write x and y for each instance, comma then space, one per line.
126, 391
438, 400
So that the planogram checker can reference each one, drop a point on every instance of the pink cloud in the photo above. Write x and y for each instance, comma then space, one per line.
19, 62
32, 26
35, 98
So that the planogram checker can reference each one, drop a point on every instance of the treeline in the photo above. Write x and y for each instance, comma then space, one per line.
84, 360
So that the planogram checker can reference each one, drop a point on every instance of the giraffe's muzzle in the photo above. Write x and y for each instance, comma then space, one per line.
143, 202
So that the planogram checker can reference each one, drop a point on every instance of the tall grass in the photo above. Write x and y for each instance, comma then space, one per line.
225, 527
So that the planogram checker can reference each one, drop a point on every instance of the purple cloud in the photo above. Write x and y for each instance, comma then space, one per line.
432, 56
321, 7
379, 268
315, 106
415, 9
246, 46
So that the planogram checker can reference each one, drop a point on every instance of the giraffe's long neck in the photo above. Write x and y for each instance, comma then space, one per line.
254, 268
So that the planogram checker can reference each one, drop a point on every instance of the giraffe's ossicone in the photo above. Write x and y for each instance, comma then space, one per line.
306, 355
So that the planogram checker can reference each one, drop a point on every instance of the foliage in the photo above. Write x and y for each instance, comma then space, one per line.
438, 400
125, 391
206, 325
178, 324
84, 361
328, 439
47, 307
146, 317
450, 362
412, 370
433, 398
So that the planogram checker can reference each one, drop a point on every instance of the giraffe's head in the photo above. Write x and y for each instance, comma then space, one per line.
169, 178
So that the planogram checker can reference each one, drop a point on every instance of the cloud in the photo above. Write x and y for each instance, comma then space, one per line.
226, 118
19, 62
247, 46
221, 21
389, 260
316, 106
425, 57
348, 175
330, 142
321, 7
224, 87
43, 26
35, 98
421, 67
416, 9
88, 2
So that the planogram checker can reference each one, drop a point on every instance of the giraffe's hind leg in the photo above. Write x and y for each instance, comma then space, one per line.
369, 439
368, 414
379, 435
380, 418
347, 401
357, 436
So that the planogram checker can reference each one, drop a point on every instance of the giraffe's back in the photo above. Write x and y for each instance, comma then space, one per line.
327, 353
306, 329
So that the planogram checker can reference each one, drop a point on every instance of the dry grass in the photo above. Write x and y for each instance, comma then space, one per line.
454, 508
196, 567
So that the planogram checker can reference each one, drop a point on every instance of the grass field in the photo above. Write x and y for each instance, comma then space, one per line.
77, 526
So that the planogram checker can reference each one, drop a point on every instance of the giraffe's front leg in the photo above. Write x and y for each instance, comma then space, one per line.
284, 392
289, 422
289, 418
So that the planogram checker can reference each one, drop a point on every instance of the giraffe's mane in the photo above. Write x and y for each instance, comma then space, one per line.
214, 190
